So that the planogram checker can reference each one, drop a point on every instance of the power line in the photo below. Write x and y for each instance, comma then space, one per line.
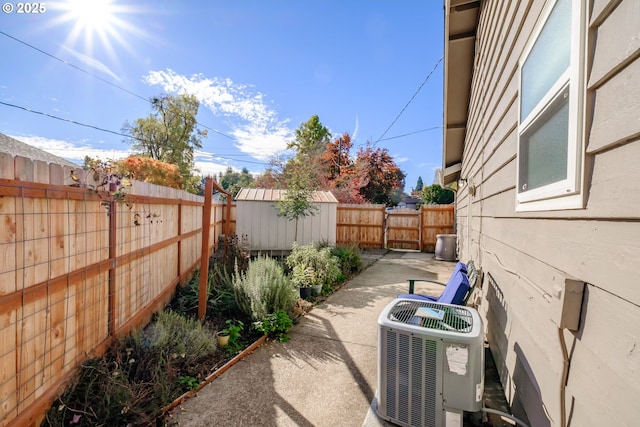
66, 120
74, 66
410, 133
51, 116
399, 136
82, 70
409, 102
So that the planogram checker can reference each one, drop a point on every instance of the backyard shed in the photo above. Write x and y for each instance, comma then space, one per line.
257, 218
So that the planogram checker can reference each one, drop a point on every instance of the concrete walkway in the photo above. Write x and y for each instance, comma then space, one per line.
326, 374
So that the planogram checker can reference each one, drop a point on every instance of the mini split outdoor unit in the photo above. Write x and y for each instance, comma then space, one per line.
430, 363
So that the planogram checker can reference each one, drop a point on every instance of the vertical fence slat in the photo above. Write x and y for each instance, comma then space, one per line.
71, 275
435, 219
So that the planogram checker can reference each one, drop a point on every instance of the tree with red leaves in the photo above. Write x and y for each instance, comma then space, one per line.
319, 163
384, 179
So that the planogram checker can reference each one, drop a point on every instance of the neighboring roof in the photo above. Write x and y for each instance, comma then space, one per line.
18, 148
461, 22
273, 195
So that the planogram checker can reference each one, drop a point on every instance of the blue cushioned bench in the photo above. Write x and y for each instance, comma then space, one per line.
456, 291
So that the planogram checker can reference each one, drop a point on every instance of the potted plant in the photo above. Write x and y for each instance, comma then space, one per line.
312, 267
230, 336
223, 337
303, 279
316, 289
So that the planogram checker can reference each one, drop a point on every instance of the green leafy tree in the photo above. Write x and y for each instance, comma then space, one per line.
233, 181
311, 138
435, 194
419, 185
170, 134
296, 203
301, 174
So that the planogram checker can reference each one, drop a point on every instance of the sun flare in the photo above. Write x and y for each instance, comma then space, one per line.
98, 24
96, 15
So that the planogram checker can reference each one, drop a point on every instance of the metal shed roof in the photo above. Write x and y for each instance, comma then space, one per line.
273, 195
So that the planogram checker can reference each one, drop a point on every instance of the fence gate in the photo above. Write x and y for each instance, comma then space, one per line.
403, 229
371, 226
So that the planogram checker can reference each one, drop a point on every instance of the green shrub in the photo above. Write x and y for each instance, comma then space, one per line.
435, 194
311, 265
175, 335
263, 289
349, 258
137, 377
220, 296
276, 324
220, 293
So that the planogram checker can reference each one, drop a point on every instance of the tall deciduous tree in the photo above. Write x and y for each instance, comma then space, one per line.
170, 134
384, 179
335, 159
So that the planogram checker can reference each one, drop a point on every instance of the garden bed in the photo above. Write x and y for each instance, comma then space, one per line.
146, 374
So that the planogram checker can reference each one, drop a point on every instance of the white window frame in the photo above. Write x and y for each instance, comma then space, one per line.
567, 193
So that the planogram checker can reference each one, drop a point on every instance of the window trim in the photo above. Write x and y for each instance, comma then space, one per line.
567, 193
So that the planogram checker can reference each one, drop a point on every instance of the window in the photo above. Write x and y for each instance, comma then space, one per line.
551, 116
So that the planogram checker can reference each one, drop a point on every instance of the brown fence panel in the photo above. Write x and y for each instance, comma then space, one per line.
435, 219
362, 225
74, 274
403, 229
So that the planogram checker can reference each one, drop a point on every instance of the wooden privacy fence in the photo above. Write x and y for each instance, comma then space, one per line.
434, 220
403, 229
362, 225
77, 269
371, 226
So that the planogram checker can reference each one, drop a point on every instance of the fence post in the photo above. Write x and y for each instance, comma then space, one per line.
179, 257
113, 233
204, 257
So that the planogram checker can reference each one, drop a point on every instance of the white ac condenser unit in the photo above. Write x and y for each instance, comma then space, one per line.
430, 363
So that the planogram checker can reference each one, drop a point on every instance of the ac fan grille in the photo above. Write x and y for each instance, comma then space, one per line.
455, 318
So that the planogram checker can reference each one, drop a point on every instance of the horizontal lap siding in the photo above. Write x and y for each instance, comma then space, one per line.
530, 254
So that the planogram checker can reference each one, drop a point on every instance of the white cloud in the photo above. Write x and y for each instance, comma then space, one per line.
210, 168
92, 62
74, 152
260, 133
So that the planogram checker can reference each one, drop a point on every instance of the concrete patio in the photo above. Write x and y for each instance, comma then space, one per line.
326, 375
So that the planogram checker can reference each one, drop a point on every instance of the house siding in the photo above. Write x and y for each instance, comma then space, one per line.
526, 257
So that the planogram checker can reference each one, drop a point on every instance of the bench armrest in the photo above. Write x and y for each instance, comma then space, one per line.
413, 281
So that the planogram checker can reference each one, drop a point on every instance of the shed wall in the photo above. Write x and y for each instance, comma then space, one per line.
530, 255
266, 231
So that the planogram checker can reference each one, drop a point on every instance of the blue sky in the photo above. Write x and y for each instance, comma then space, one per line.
259, 69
